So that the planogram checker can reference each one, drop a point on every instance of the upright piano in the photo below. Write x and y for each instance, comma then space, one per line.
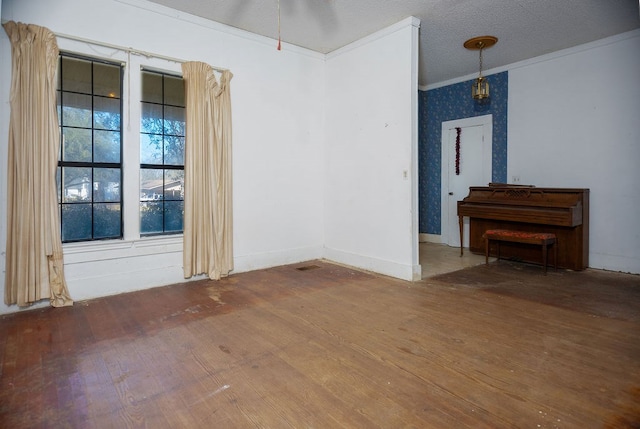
562, 211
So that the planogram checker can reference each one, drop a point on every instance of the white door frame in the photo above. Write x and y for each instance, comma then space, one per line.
486, 121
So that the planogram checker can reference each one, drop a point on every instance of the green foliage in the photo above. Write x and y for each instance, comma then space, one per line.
159, 217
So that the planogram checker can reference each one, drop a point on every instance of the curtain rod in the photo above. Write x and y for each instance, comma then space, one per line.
130, 50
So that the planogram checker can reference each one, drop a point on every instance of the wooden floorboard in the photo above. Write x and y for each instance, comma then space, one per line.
496, 346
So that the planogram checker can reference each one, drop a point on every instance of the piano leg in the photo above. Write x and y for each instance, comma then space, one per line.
460, 224
486, 251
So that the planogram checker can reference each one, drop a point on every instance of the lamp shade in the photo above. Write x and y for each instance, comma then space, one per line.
480, 88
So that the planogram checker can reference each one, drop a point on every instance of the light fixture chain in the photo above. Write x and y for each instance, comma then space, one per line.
480, 86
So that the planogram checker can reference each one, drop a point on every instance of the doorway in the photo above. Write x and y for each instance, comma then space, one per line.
475, 164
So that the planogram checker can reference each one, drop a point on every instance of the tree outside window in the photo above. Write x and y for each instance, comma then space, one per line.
90, 162
162, 131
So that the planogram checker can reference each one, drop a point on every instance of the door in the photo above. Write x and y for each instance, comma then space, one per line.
474, 170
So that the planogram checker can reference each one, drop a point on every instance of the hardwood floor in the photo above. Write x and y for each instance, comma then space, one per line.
317, 345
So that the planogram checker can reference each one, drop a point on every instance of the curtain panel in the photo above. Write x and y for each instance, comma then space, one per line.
34, 264
208, 216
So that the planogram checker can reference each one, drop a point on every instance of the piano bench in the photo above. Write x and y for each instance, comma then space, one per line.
543, 239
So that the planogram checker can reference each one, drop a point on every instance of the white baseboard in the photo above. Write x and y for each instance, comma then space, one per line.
261, 261
380, 266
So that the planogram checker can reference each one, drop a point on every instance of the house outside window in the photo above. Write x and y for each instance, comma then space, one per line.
89, 175
162, 131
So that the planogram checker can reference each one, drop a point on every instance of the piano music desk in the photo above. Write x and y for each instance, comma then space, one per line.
540, 238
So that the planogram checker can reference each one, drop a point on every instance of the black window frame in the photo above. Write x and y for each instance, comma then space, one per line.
62, 163
160, 166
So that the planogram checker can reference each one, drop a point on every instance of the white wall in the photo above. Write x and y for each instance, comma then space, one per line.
278, 137
574, 122
370, 157
283, 124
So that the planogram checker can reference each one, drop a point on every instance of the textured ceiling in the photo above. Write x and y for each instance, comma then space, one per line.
525, 28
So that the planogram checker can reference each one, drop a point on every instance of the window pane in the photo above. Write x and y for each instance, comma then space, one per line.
76, 75
150, 149
150, 217
59, 184
106, 113
76, 222
76, 111
106, 220
76, 184
106, 185
59, 106
173, 91
106, 80
174, 121
151, 184
151, 119
90, 115
106, 146
174, 150
162, 144
76, 145
173, 184
152, 87
173, 214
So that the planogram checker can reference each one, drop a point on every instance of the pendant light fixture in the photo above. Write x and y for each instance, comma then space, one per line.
480, 87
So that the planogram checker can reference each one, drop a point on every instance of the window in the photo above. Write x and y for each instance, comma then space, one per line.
89, 173
161, 154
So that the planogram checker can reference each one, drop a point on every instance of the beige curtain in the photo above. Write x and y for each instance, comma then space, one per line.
208, 222
34, 249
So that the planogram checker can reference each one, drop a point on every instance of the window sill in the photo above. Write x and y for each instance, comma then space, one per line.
75, 253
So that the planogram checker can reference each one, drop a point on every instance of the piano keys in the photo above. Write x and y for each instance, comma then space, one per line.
562, 211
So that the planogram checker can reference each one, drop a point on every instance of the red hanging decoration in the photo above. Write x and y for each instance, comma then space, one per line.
458, 132
279, 39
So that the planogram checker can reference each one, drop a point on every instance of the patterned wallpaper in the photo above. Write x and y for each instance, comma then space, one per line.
445, 104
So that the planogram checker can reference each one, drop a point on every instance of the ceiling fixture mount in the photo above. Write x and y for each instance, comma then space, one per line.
480, 87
